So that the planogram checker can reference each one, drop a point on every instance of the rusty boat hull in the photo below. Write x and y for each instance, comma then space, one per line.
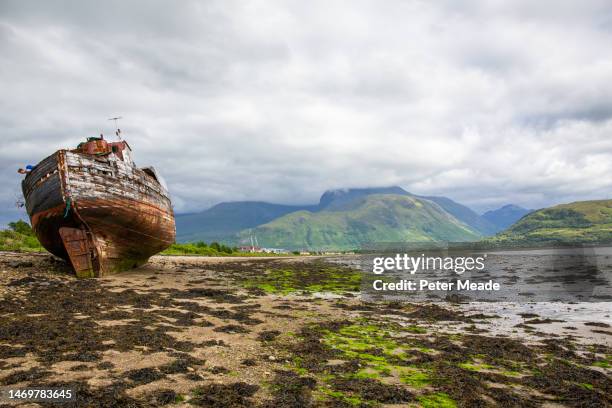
99, 211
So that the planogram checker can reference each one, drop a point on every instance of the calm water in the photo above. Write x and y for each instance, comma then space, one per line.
539, 275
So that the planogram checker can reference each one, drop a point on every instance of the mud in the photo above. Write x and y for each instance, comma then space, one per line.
258, 332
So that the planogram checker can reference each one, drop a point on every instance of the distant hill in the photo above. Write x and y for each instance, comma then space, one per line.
578, 222
347, 224
505, 216
223, 221
464, 214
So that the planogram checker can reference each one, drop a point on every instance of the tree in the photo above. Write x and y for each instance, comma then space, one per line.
21, 227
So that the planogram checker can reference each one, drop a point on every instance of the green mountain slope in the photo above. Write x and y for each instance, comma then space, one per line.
222, 221
369, 219
579, 222
464, 214
335, 199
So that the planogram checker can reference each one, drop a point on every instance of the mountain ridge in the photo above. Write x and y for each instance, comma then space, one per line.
225, 220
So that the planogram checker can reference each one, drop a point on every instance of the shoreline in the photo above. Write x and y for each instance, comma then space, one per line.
203, 331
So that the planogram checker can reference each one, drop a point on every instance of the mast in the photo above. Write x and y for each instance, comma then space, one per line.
117, 131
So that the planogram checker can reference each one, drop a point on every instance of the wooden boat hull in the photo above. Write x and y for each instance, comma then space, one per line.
102, 214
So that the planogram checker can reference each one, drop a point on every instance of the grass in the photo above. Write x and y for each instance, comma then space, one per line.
19, 237
200, 248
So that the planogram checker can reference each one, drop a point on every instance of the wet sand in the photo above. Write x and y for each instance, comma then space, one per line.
284, 332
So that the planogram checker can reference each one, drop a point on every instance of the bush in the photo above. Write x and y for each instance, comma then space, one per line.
21, 227
199, 248
19, 237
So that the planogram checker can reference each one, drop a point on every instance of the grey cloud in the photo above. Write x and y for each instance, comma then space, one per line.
485, 102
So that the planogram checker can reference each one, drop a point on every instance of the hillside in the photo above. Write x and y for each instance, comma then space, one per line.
505, 216
578, 222
334, 199
372, 218
464, 214
223, 221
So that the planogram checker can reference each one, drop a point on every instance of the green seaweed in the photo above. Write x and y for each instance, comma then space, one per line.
603, 364
374, 346
473, 366
436, 400
325, 279
415, 329
338, 395
415, 378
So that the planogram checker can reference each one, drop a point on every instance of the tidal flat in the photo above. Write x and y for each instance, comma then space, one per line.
286, 332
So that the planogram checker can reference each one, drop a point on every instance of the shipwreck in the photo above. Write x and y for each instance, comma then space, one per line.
93, 207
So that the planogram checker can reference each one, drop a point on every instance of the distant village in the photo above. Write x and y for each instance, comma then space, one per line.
255, 248
282, 251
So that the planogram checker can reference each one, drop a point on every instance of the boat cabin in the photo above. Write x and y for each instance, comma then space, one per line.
97, 146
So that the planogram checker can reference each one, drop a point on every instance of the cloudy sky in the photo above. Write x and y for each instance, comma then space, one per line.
486, 102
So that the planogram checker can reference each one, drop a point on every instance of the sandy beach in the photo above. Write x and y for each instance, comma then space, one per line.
286, 332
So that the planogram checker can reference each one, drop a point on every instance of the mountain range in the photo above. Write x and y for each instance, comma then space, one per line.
343, 219
223, 221
505, 216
